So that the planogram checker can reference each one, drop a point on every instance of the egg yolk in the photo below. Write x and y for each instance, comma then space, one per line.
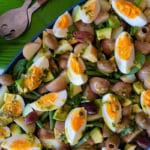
34, 78
63, 22
77, 120
21, 144
112, 107
76, 66
146, 98
124, 47
12, 107
127, 8
90, 9
3, 132
47, 100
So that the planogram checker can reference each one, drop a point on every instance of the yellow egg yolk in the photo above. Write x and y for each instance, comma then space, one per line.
76, 66
77, 120
124, 47
63, 22
127, 8
12, 107
47, 100
3, 132
21, 144
112, 107
146, 98
90, 9
34, 78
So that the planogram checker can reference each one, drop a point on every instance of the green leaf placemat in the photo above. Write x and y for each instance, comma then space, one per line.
40, 18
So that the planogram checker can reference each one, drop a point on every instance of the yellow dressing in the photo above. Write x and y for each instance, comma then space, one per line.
124, 47
127, 8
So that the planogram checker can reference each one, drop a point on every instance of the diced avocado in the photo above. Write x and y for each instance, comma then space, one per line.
138, 87
61, 113
48, 77
27, 110
20, 87
15, 129
96, 135
99, 113
136, 108
113, 21
74, 90
76, 13
104, 33
127, 102
130, 147
3, 90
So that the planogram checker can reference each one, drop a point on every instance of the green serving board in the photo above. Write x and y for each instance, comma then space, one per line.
41, 18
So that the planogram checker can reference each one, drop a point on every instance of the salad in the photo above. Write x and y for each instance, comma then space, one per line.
84, 84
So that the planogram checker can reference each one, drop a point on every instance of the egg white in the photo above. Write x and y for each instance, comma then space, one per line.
124, 65
59, 102
88, 14
111, 123
61, 32
145, 108
74, 136
138, 21
34, 141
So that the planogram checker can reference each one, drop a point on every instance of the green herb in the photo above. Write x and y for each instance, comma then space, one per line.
140, 58
30, 96
133, 30
95, 124
51, 120
83, 139
36, 94
137, 2
19, 68
39, 124
126, 131
75, 101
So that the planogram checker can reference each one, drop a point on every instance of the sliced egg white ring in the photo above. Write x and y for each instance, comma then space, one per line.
62, 24
4, 133
139, 21
21, 142
74, 125
90, 11
124, 53
50, 101
111, 111
145, 101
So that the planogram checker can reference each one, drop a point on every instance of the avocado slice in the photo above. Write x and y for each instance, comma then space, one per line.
138, 87
61, 113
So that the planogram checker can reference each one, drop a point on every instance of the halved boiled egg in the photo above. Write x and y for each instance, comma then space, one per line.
4, 133
13, 105
76, 70
50, 101
35, 73
124, 52
22, 142
90, 11
111, 111
62, 24
145, 101
75, 124
130, 13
